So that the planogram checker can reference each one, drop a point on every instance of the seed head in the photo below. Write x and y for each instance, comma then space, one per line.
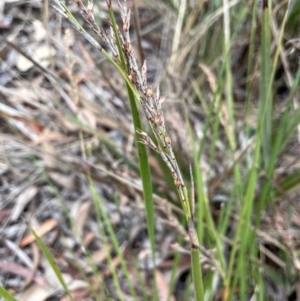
149, 92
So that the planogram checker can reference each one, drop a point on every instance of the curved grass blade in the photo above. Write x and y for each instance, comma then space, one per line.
99, 204
52, 262
6, 295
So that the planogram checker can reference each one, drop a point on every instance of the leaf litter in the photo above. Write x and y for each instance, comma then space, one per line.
48, 103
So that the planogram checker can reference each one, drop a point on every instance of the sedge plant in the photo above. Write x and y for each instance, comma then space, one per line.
151, 102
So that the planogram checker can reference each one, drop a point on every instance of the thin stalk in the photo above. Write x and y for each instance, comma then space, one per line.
203, 209
142, 151
114, 240
228, 76
98, 212
242, 230
273, 153
197, 275
52, 262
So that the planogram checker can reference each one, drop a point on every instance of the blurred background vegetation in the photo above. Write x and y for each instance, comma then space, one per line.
69, 162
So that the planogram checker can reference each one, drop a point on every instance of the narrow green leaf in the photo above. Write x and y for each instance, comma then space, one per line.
6, 295
290, 182
98, 203
142, 151
197, 274
51, 261
289, 127
265, 98
294, 12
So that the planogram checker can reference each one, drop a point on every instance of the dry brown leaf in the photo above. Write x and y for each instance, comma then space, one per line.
22, 63
108, 123
212, 79
19, 253
66, 181
36, 261
79, 213
296, 219
4, 214
33, 125
49, 155
89, 117
162, 287
35, 293
42, 54
14, 268
100, 255
44, 228
88, 238
48, 135
28, 127
75, 284
78, 295
24, 198
9, 111
20, 270
23, 94
69, 125
40, 31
